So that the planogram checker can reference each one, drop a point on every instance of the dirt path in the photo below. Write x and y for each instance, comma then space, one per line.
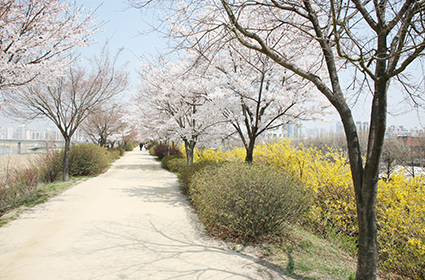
129, 223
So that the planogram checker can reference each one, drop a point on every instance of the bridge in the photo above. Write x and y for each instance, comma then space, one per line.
15, 146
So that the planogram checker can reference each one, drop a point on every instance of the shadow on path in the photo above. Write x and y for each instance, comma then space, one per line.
159, 254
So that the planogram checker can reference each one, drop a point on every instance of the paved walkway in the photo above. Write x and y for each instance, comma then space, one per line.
129, 223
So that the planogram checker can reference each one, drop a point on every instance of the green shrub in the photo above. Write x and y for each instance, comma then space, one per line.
247, 202
165, 161
151, 149
187, 172
174, 163
115, 153
128, 146
177, 164
112, 154
120, 150
87, 159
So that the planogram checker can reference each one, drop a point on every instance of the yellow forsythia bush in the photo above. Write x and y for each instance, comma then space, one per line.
401, 201
327, 175
236, 155
401, 224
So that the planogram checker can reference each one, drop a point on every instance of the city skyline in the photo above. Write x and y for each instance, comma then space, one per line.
23, 132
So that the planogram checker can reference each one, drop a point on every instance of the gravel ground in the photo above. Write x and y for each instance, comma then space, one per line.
129, 223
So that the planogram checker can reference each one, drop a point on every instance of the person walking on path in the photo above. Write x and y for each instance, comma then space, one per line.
123, 224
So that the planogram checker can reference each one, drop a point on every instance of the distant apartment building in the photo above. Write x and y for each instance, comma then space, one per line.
359, 126
416, 148
365, 127
289, 130
52, 135
399, 131
9, 133
21, 132
362, 127
339, 129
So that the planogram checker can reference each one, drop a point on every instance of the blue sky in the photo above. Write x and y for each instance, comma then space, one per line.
126, 28
123, 27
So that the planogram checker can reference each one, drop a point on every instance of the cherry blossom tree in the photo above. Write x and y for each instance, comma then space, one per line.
70, 100
180, 102
378, 40
36, 39
104, 125
259, 97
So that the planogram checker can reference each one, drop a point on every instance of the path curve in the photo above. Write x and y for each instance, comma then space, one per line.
129, 223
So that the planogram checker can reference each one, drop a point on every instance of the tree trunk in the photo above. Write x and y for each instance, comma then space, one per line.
365, 181
368, 245
250, 150
168, 147
65, 169
388, 168
190, 147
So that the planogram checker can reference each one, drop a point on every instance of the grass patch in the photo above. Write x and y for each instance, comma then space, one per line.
37, 196
304, 255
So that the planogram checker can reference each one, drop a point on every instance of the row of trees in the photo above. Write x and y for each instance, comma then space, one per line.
41, 78
235, 93
376, 41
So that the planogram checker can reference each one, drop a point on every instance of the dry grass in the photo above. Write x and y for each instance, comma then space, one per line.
9, 163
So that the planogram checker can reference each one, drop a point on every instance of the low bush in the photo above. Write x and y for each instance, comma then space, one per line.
19, 187
401, 225
400, 205
177, 164
87, 159
187, 172
165, 162
247, 202
120, 150
151, 148
160, 151
50, 165
113, 154
127, 146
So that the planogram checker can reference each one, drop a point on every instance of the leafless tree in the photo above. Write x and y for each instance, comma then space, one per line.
392, 153
378, 39
103, 124
405, 151
68, 103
